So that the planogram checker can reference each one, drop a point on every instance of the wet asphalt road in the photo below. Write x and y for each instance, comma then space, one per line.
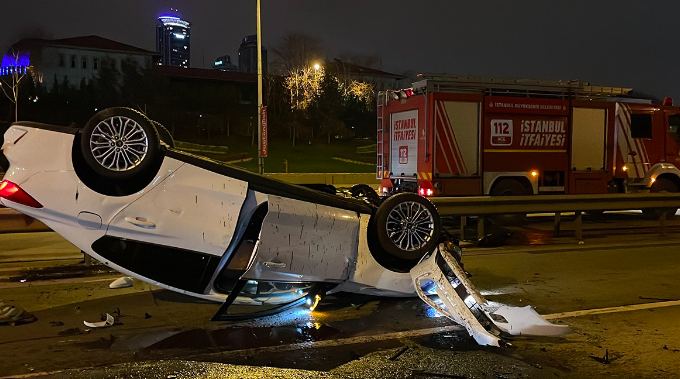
159, 334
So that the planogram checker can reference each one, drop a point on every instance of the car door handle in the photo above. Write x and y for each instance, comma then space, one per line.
274, 264
141, 222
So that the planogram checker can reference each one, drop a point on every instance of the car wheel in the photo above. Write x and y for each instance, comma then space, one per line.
164, 134
509, 187
407, 226
661, 185
120, 143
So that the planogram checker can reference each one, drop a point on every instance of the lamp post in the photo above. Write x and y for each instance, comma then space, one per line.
260, 160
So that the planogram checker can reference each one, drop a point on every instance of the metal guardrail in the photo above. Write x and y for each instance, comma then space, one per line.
483, 206
12, 221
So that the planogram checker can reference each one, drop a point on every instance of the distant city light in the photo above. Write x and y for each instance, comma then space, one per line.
174, 21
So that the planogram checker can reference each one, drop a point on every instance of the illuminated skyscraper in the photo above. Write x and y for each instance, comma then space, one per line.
172, 41
247, 56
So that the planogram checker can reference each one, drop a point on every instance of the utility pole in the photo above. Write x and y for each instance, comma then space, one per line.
260, 160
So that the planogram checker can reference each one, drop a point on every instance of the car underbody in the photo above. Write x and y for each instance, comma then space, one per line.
217, 232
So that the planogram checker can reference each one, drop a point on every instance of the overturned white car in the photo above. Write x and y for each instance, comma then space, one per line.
121, 192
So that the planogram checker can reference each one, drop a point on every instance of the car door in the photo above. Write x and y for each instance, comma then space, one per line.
177, 233
302, 241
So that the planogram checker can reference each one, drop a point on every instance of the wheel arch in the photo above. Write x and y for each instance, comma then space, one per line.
491, 180
663, 170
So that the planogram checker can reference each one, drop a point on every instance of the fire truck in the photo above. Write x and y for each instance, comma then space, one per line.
465, 136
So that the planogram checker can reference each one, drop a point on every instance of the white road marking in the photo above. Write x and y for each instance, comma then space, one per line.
428, 331
344, 341
624, 308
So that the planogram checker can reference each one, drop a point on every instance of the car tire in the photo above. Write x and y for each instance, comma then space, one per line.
163, 134
120, 144
509, 187
661, 185
406, 226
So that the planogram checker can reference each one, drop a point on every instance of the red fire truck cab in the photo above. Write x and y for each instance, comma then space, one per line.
458, 136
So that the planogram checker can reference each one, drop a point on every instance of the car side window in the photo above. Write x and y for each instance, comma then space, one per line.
674, 127
641, 125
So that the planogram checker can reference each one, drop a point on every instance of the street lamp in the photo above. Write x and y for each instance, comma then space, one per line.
317, 66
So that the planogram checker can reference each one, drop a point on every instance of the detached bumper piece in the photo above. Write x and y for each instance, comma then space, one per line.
441, 282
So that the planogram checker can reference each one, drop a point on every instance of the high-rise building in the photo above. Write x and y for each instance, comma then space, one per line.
172, 41
223, 63
247, 56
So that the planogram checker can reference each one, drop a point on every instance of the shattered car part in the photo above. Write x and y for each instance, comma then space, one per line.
439, 273
123, 282
101, 324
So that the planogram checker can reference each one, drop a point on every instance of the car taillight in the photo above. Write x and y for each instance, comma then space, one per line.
15, 194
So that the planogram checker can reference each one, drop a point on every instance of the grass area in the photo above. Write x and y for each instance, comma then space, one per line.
317, 157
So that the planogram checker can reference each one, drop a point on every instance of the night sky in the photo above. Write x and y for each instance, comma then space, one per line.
617, 43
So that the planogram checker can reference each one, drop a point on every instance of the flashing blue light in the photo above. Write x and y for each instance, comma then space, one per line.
168, 16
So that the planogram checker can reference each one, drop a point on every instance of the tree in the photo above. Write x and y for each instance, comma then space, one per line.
11, 82
297, 51
133, 83
107, 84
328, 107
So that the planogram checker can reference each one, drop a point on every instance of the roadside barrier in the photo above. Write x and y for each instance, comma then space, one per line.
483, 206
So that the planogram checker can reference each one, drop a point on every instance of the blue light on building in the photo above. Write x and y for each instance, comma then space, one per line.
11, 65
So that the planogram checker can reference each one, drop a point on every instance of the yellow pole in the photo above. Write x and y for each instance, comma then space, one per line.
259, 92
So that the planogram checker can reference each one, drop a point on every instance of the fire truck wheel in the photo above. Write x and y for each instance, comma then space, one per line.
406, 227
661, 185
509, 187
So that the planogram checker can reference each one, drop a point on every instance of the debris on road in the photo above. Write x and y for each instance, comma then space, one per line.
14, 315
604, 360
398, 353
102, 324
71, 332
494, 240
124, 282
